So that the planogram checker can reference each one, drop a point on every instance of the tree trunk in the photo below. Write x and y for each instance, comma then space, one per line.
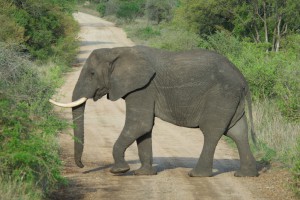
265, 22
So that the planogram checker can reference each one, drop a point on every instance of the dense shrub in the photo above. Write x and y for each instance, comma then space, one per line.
101, 8
11, 32
128, 10
40, 25
112, 7
28, 148
158, 10
124, 9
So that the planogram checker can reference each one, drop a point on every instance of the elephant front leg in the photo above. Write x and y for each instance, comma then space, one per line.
134, 130
138, 126
120, 166
144, 144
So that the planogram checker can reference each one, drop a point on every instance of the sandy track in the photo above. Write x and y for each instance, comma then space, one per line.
173, 159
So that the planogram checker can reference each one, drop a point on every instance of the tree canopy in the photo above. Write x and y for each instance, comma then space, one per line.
262, 21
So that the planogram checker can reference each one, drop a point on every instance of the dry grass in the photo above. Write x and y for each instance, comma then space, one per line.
12, 190
275, 131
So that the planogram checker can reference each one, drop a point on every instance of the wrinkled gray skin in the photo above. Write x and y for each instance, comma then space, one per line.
196, 89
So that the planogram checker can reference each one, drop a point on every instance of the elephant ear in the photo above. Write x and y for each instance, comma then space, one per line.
129, 72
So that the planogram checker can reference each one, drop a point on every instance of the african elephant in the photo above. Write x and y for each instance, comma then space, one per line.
196, 89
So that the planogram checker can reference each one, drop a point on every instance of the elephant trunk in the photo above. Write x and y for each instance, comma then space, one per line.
78, 120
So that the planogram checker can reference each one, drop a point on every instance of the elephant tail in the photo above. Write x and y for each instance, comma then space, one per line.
249, 102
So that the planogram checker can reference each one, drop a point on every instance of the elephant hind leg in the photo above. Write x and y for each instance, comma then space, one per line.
239, 134
204, 165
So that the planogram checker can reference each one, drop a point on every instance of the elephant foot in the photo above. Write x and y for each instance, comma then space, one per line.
145, 170
120, 168
246, 173
203, 173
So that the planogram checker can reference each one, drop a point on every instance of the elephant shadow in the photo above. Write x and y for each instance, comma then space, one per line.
168, 163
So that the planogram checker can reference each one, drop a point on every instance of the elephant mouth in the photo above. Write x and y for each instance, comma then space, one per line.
99, 93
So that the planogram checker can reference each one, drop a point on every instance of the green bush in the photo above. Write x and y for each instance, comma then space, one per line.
28, 127
101, 7
129, 10
287, 84
112, 7
39, 25
223, 42
11, 32
29, 161
158, 10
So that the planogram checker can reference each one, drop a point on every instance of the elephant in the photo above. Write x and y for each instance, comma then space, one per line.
195, 89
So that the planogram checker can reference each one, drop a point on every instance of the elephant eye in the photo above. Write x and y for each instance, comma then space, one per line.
92, 74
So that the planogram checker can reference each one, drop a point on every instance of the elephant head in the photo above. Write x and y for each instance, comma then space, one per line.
115, 72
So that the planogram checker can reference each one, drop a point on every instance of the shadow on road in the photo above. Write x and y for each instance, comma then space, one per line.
167, 163
92, 43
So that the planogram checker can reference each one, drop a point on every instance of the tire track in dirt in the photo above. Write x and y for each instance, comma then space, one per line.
176, 149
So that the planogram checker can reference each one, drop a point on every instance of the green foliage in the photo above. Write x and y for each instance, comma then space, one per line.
287, 84
275, 133
128, 10
203, 16
158, 10
174, 39
296, 170
11, 31
112, 7
222, 42
39, 25
28, 147
124, 9
101, 7
266, 21
142, 32
11, 189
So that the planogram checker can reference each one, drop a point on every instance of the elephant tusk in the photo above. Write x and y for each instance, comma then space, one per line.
69, 105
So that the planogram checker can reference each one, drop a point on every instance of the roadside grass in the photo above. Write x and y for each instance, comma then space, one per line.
29, 158
16, 190
296, 171
276, 132
141, 31
29, 154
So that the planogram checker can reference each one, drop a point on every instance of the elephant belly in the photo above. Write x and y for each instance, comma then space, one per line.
179, 110
194, 106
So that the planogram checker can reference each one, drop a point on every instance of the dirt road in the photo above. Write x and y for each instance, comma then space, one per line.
173, 159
